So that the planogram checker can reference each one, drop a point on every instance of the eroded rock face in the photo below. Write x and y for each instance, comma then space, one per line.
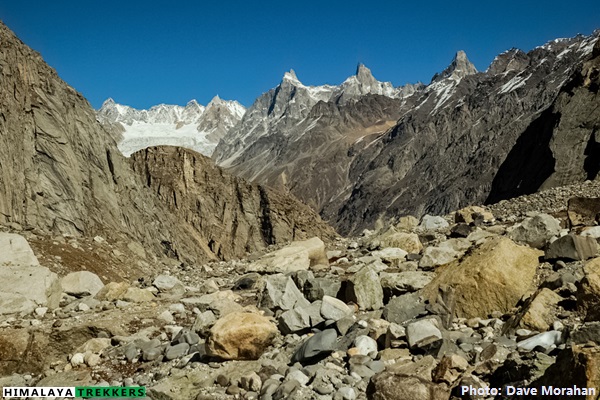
233, 215
61, 171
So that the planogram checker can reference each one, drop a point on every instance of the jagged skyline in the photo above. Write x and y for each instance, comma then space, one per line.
142, 54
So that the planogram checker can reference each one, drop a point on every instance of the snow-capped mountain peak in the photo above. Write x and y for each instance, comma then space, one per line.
193, 125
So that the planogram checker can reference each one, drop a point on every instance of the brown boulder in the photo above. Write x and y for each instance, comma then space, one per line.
588, 294
583, 211
240, 336
493, 277
577, 366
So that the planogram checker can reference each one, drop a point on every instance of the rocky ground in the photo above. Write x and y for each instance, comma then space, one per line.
487, 299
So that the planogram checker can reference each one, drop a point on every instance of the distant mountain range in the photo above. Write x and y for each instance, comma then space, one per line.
193, 126
365, 150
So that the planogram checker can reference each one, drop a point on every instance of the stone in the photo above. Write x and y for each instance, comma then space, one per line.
177, 351
300, 318
583, 211
81, 283
318, 344
137, 295
112, 291
25, 288
94, 345
240, 336
396, 238
281, 292
588, 291
593, 232
538, 314
15, 250
545, 340
572, 247
365, 345
393, 256
406, 223
203, 321
365, 290
346, 393
588, 332
575, 366
403, 282
434, 256
431, 223
168, 283
221, 302
316, 288
404, 308
469, 214
536, 231
334, 309
423, 333
297, 256
408, 381
500, 268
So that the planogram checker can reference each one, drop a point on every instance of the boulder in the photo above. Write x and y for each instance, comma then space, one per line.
280, 292
409, 242
317, 288
240, 336
81, 283
365, 290
168, 283
112, 291
410, 380
301, 318
407, 223
536, 231
393, 256
137, 295
444, 253
404, 308
572, 247
14, 250
538, 315
470, 214
297, 256
316, 345
27, 287
431, 223
575, 366
423, 332
491, 278
583, 211
334, 309
588, 291
403, 282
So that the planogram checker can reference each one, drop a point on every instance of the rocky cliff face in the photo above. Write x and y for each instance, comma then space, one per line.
62, 174
236, 216
523, 125
302, 139
467, 137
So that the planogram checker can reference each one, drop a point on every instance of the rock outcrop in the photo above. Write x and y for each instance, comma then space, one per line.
62, 174
235, 217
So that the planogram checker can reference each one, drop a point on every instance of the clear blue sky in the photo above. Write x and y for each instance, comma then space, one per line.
143, 53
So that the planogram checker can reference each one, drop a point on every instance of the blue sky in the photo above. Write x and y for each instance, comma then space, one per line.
143, 53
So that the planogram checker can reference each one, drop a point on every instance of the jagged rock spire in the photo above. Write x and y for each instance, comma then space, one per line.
458, 68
